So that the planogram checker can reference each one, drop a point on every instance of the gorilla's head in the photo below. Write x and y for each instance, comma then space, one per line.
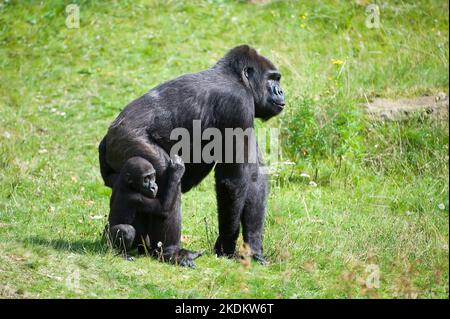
261, 77
140, 176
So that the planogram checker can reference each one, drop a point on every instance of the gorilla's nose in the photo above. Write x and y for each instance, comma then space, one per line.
278, 96
278, 91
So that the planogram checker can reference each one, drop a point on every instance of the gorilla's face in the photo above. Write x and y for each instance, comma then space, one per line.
268, 95
149, 188
141, 176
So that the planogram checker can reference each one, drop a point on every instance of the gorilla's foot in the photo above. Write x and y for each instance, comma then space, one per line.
225, 248
260, 259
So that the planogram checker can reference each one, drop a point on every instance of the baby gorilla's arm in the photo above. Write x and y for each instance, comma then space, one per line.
175, 172
151, 206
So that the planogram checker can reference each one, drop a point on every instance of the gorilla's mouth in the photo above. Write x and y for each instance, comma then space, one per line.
149, 193
279, 105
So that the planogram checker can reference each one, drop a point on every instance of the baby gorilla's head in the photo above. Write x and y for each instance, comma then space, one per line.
140, 175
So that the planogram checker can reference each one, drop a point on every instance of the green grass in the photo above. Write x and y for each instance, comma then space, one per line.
380, 186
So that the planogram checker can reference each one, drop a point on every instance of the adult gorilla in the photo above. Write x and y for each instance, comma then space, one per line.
241, 86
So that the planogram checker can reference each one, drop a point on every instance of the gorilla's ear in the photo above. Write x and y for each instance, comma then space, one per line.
247, 73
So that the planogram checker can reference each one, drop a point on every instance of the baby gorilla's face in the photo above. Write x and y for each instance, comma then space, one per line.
149, 187
140, 176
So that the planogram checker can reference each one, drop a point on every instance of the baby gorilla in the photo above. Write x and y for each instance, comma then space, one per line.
138, 219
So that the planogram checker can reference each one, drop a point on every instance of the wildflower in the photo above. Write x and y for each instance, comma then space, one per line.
441, 206
159, 244
302, 26
312, 184
304, 175
337, 62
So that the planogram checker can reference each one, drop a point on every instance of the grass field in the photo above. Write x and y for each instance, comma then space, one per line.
381, 204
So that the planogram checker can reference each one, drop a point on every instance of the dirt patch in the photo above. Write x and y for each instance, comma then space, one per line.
7, 292
401, 109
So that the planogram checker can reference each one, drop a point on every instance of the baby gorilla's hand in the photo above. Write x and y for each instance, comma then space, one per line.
177, 165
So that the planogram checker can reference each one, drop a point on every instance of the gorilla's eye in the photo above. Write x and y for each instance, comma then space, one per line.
274, 75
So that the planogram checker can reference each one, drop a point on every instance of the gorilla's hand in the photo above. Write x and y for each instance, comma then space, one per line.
177, 165
185, 258
260, 259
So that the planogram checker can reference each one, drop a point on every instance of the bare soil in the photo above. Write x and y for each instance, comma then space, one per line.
401, 109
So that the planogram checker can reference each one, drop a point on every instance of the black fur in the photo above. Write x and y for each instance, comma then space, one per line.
241, 86
138, 219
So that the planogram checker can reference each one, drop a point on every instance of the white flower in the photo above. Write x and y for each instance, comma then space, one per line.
305, 175
159, 244
313, 184
441, 206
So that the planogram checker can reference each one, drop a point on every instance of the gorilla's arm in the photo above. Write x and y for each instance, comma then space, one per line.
151, 206
175, 172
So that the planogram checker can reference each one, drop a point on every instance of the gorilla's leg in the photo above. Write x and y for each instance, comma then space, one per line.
231, 192
113, 153
108, 174
119, 150
123, 237
165, 236
142, 239
253, 214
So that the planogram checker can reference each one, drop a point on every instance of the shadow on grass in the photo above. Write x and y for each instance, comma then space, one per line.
98, 246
